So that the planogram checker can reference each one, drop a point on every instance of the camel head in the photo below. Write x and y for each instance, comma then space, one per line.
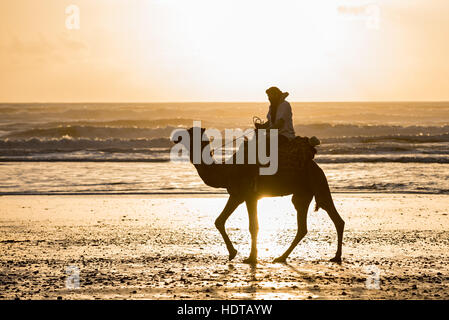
185, 137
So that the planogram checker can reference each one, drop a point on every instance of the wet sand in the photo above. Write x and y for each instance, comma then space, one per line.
142, 247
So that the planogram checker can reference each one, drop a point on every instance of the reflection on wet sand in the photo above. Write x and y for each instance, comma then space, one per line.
168, 248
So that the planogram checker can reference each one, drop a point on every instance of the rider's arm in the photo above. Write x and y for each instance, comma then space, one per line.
284, 114
279, 123
265, 125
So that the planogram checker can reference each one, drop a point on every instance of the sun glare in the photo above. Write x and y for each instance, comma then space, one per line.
232, 44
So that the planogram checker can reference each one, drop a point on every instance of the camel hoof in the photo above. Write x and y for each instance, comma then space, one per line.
232, 254
336, 259
250, 260
280, 260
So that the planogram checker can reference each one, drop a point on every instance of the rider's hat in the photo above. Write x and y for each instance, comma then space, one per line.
276, 92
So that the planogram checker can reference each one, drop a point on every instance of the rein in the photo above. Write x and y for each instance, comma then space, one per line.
256, 120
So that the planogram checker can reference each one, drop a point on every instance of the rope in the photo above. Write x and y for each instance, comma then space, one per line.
255, 120
235, 139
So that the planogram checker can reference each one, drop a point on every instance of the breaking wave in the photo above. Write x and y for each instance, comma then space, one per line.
148, 140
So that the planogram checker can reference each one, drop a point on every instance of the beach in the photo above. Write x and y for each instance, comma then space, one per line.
166, 247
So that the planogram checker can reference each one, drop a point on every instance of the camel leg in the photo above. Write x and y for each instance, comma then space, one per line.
323, 198
251, 205
339, 223
301, 203
231, 205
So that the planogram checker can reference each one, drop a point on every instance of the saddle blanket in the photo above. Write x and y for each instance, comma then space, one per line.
296, 153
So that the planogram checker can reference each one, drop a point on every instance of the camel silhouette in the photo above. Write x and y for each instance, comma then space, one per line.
304, 184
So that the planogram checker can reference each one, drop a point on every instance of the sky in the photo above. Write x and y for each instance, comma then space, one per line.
216, 50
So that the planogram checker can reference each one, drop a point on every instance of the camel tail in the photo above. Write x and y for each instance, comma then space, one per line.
320, 187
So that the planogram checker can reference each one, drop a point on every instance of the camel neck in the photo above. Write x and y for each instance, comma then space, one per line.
213, 175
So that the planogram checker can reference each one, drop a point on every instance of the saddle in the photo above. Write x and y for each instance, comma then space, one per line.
296, 153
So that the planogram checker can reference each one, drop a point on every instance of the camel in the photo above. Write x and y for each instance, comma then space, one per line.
238, 179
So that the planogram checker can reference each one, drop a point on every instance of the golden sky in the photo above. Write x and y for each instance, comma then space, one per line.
224, 50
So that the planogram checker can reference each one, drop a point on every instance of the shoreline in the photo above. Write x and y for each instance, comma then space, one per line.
203, 194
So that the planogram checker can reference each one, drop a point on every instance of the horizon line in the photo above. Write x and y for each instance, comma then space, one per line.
231, 101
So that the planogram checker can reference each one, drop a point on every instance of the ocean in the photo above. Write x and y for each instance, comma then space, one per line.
123, 148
